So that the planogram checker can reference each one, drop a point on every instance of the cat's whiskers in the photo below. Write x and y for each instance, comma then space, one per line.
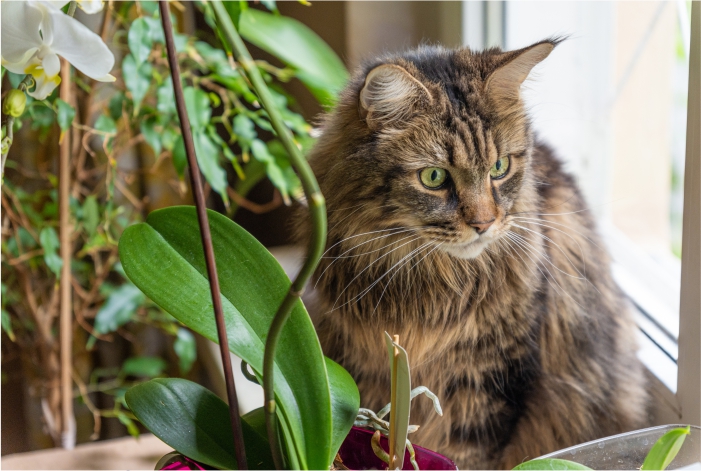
365, 253
360, 235
526, 245
374, 283
547, 257
518, 245
546, 222
543, 223
333, 308
359, 207
413, 253
583, 274
343, 255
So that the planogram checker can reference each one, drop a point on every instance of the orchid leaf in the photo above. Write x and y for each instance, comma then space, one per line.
550, 464
665, 449
164, 258
195, 422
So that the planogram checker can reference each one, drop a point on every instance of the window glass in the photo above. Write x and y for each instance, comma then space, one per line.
611, 100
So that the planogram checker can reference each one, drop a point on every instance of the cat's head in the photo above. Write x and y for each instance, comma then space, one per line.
434, 140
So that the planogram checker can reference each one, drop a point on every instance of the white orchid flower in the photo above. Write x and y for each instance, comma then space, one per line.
35, 33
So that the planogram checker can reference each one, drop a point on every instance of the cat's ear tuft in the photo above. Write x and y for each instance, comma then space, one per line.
504, 84
390, 94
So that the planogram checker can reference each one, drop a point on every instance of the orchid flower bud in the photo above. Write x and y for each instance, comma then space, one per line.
14, 103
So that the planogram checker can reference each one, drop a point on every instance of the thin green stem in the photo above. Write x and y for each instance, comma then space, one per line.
317, 210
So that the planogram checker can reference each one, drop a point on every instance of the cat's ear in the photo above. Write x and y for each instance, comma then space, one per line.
504, 84
390, 94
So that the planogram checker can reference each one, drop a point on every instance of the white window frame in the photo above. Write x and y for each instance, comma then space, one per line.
674, 364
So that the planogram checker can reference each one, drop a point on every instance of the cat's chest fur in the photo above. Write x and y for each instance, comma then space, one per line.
471, 330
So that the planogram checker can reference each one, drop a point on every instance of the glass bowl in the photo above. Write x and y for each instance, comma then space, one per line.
628, 450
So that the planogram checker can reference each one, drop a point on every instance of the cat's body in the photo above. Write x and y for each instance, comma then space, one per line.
514, 321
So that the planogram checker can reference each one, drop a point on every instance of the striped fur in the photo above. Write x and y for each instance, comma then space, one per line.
521, 331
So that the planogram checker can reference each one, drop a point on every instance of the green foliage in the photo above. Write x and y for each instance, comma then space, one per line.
137, 79
251, 293
195, 422
314, 62
665, 449
49, 242
118, 309
138, 108
186, 349
140, 40
145, 367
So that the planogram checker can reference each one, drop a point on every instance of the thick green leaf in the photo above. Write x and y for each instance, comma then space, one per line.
195, 422
316, 65
548, 464
118, 308
140, 40
345, 401
145, 367
49, 242
164, 258
665, 449
186, 349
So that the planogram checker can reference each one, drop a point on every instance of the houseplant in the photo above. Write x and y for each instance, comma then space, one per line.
314, 400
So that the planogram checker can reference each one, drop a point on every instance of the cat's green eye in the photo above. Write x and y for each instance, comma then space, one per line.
500, 168
433, 177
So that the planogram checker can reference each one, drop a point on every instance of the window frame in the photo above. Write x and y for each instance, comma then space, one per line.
673, 363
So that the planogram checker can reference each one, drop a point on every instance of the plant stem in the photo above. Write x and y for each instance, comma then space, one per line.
66, 248
196, 183
317, 210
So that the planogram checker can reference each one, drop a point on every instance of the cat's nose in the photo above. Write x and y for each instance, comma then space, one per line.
481, 227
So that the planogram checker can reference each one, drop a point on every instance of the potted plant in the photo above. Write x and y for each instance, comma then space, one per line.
313, 402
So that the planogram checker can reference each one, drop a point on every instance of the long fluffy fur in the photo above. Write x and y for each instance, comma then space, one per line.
530, 345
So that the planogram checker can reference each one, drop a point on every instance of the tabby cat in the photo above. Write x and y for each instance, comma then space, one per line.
450, 227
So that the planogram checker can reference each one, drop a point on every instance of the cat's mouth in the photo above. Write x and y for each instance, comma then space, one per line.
467, 250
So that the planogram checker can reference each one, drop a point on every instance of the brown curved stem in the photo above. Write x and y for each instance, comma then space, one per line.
196, 183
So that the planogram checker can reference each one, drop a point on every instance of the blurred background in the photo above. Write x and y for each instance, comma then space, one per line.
611, 101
